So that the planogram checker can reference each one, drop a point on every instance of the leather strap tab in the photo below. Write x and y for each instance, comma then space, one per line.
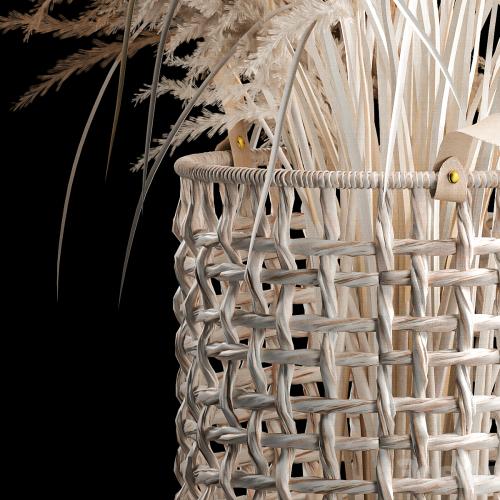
454, 153
451, 181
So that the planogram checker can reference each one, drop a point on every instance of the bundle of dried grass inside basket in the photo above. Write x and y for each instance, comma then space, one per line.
338, 326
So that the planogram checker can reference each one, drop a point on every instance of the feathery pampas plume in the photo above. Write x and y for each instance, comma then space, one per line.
365, 70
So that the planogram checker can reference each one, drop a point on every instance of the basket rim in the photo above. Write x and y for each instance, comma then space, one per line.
217, 167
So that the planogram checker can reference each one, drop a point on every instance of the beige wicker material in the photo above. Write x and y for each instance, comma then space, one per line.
329, 364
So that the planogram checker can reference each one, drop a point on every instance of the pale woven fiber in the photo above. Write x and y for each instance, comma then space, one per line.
326, 364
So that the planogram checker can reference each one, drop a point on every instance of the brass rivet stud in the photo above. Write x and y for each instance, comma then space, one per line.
240, 142
453, 176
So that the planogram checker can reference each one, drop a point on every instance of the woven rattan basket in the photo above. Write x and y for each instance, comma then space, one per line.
331, 364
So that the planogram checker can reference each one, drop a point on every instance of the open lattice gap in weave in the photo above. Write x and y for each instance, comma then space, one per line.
327, 363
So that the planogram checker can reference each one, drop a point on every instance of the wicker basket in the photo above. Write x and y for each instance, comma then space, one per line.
333, 364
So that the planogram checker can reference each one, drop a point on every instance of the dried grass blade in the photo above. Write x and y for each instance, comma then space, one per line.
74, 167
121, 82
280, 121
398, 98
175, 128
154, 87
430, 46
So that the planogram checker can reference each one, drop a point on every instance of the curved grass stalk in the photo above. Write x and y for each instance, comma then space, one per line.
477, 41
74, 167
76, 161
430, 47
121, 82
220, 64
154, 88
483, 110
398, 99
280, 120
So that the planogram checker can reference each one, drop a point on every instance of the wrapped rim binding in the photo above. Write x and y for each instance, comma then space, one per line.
216, 167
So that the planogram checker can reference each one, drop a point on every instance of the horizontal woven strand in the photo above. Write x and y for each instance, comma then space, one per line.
311, 357
301, 296
302, 325
317, 246
316, 323
306, 404
484, 485
301, 375
199, 168
274, 496
270, 415
301, 456
444, 442
436, 324
447, 277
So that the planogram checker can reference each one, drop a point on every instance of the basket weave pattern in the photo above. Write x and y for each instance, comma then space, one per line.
329, 363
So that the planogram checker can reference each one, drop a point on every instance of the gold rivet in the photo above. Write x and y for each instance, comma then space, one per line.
453, 176
240, 141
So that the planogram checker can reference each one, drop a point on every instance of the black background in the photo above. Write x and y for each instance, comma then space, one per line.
92, 385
